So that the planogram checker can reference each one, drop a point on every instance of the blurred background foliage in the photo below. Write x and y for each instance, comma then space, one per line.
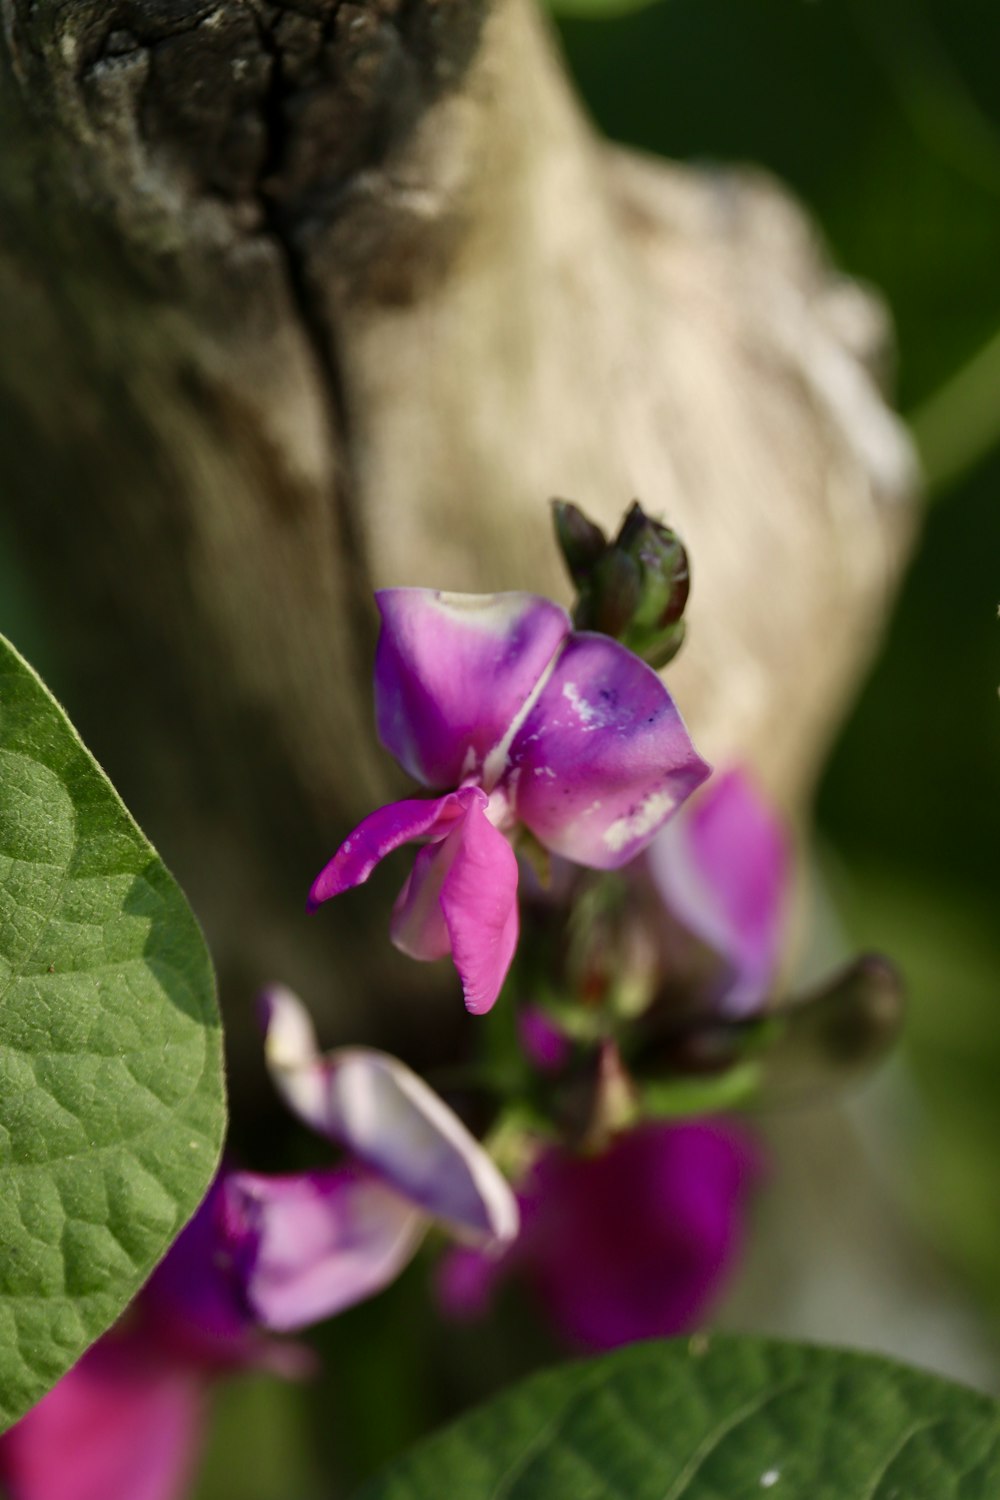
884, 117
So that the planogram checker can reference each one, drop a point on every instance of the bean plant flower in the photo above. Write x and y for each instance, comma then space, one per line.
316, 1242
521, 724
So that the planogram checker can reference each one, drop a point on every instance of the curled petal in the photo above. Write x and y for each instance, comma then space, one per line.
292, 1056
479, 903
603, 758
381, 832
723, 868
390, 1119
123, 1424
454, 671
314, 1244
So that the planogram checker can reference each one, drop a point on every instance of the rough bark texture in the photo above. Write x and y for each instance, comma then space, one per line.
298, 297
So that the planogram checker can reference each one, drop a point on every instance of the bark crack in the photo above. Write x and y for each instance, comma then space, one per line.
316, 327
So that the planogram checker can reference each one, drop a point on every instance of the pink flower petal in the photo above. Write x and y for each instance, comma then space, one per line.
381, 832
319, 1242
453, 671
479, 902
603, 757
123, 1424
723, 868
390, 1119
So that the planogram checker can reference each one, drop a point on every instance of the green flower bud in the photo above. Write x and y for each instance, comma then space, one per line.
634, 588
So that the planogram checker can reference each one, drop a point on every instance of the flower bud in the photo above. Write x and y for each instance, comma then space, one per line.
634, 588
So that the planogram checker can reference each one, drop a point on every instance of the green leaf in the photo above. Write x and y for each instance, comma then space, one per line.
715, 1419
111, 1088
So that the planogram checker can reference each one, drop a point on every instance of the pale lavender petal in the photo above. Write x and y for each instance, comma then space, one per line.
603, 757
479, 902
723, 869
122, 1425
453, 671
381, 1111
319, 1242
381, 832
391, 1119
293, 1060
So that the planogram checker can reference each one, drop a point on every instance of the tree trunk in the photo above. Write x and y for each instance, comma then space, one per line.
301, 297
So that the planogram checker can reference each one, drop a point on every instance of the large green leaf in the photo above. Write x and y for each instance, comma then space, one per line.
111, 1089
718, 1419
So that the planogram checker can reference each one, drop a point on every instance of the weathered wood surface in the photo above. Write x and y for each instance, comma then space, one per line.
302, 297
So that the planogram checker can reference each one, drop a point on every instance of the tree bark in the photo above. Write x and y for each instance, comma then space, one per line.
301, 297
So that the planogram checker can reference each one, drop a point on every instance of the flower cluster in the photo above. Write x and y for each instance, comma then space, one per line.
656, 909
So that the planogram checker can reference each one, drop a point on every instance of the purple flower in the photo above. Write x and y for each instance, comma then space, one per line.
518, 721
633, 1243
723, 870
315, 1243
126, 1422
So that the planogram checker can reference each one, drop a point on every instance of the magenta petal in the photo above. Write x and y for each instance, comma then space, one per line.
603, 757
453, 671
122, 1425
380, 833
319, 1242
479, 902
638, 1242
723, 869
